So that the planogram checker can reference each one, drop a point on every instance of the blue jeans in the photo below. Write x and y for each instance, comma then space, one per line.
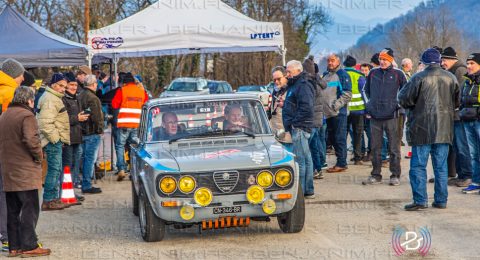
51, 187
472, 130
124, 135
463, 161
304, 159
339, 129
90, 146
71, 157
418, 172
313, 143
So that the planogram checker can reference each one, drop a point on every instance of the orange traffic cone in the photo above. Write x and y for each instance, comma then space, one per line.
68, 196
208, 120
190, 121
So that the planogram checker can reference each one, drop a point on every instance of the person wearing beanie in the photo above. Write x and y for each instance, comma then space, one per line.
381, 89
309, 66
127, 121
28, 80
54, 126
470, 115
11, 76
459, 166
356, 106
431, 96
375, 60
335, 104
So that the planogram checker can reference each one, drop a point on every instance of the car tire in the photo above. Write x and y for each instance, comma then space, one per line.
134, 200
152, 227
293, 221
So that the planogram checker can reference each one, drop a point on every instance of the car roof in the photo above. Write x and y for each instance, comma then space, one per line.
186, 79
210, 97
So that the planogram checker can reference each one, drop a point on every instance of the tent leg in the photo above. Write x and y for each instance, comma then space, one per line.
115, 68
89, 58
284, 56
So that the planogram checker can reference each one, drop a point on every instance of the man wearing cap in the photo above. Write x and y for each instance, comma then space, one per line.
82, 73
54, 132
459, 160
11, 75
431, 97
129, 101
381, 89
356, 106
470, 115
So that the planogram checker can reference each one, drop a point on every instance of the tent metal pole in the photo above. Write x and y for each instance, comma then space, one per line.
115, 66
284, 56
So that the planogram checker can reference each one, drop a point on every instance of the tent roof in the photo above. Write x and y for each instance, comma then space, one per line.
181, 27
34, 46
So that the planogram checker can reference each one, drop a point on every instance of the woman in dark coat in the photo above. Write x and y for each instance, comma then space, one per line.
20, 160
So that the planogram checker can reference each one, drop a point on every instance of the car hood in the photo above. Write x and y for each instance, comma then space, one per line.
183, 93
254, 155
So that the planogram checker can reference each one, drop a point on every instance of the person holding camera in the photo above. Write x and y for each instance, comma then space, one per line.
92, 128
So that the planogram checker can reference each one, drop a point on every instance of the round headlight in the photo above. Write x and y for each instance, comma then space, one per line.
168, 185
269, 206
203, 197
283, 178
265, 179
186, 184
187, 212
255, 194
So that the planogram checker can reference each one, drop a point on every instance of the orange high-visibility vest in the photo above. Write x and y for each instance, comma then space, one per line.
133, 99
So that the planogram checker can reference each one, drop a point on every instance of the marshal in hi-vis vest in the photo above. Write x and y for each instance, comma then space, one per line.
356, 103
130, 110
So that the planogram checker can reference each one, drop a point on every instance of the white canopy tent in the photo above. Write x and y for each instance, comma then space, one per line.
171, 27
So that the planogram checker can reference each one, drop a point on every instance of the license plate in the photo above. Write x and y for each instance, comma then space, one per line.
226, 210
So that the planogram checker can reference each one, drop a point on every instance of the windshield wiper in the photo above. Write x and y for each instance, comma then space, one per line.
252, 135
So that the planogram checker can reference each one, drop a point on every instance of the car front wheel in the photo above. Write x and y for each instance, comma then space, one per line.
151, 226
293, 221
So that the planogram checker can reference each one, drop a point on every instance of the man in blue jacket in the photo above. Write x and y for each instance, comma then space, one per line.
381, 90
298, 120
335, 97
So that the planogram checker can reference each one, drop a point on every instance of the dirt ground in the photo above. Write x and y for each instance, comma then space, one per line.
345, 221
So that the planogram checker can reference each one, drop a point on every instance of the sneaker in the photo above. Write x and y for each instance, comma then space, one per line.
452, 181
309, 197
325, 166
79, 197
415, 207
121, 175
371, 181
336, 169
5, 246
59, 202
439, 205
394, 181
472, 188
51, 205
318, 175
14, 253
463, 182
358, 163
92, 190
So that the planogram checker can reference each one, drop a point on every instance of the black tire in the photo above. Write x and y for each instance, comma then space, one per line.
134, 200
151, 226
293, 221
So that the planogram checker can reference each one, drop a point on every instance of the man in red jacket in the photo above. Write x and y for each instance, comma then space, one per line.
129, 101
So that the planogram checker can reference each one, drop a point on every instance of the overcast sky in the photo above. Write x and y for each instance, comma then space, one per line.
353, 18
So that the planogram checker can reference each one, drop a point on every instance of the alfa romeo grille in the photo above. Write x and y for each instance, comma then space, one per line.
226, 180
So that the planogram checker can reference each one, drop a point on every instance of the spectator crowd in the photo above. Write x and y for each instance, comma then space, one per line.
45, 130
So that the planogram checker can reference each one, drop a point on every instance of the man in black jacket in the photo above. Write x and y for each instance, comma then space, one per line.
92, 128
71, 154
459, 160
431, 97
381, 89
298, 120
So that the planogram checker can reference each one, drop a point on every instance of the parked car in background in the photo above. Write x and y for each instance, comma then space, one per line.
260, 91
211, 161
186, 87
219, 87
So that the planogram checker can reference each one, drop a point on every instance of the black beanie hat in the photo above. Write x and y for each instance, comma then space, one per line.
474, 57
449, 53
70, 77
375, 58
349, 61
28, 79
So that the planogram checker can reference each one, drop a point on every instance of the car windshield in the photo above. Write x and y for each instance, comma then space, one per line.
183, 86
176, 121
250, 88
